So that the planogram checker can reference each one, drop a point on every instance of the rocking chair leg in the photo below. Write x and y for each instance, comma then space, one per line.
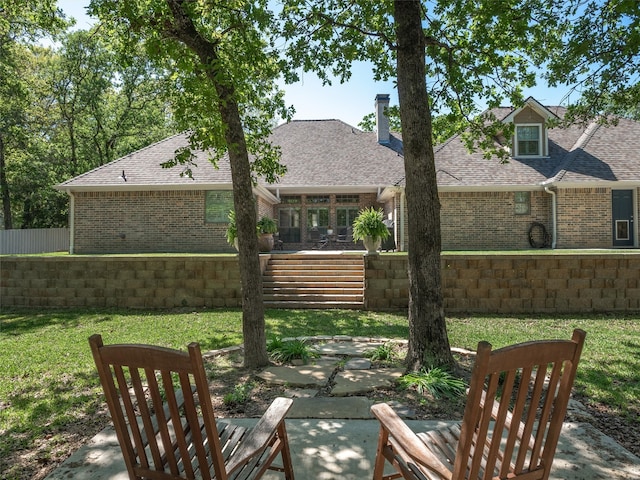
285, 453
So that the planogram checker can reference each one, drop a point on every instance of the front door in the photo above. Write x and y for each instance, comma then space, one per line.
622, 204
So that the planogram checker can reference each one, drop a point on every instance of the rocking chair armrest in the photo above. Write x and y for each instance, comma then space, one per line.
262, 434
406, 439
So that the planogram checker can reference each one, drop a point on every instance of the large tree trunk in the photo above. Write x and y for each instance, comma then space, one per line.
253, 326
428, 341
4, 188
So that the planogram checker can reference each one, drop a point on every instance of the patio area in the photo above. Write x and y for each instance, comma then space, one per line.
336, 437
330, 448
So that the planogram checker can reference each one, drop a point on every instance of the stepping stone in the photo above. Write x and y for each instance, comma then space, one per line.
299, 377
358, 364
300, 393
349, 349
360, 382
326, 361
327, 407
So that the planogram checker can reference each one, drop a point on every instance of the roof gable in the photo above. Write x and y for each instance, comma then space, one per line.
544, 112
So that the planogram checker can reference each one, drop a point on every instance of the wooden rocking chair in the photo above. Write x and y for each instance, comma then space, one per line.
161, 408
516, 404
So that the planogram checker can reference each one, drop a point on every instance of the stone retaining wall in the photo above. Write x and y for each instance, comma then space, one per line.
128, 281
515, 283
506, 284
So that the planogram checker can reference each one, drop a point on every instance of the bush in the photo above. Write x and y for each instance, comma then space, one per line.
284, 352
435, 381
383, 353
239, 395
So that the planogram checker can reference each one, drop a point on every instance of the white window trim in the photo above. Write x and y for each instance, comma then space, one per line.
541, 138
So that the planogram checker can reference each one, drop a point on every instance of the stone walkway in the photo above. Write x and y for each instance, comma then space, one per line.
335, 384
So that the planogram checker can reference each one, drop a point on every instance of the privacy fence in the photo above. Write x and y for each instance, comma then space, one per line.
34, 240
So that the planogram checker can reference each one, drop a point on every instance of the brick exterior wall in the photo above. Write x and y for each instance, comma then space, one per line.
139, 222
584, 218
174, 221
487, 220
515, 284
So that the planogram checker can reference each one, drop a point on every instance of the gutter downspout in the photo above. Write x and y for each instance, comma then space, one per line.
72, 209
554, 226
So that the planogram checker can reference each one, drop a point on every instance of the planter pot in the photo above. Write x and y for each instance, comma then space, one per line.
372, 245
265, 242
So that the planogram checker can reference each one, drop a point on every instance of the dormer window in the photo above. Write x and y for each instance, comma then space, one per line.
528, 141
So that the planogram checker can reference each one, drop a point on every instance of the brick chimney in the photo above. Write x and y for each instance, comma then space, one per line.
382, 121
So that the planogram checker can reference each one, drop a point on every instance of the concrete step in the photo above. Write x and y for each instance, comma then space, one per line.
316, 267
328, 289
313, 305
313, 298
296, 262
314, 281
276, 277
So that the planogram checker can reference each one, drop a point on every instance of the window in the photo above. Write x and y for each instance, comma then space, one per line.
318, 199
318, 218
528, 140
622, 229
289, 224
218, 204
347, 198
345, 218
523, 203
290, 199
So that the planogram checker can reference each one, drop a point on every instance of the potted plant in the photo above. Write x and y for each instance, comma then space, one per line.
266, 228
232, 230
370, 228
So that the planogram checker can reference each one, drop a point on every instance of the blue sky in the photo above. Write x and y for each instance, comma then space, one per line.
348, 102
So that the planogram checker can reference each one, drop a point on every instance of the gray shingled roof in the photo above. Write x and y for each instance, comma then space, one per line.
607, 153
319, 153
330, 155
143, 170
576, 154
333, 154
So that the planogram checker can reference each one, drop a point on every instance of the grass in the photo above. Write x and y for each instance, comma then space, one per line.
48, 380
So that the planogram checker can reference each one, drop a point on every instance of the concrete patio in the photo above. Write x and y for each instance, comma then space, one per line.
335, 437
333, 449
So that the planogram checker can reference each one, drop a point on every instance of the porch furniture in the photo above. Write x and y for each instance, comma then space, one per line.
161, 408
346, 239
516, 404
277, 243
318, 240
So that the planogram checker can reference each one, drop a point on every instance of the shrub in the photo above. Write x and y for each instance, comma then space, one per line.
383, 353
435, 381
284, 352
239, 395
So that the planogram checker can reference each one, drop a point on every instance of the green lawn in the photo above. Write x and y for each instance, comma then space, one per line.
48, 380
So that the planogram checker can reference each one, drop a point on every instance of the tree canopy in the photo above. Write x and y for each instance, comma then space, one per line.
599, 58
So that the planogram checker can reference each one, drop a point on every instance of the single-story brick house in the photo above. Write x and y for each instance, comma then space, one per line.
580, 186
